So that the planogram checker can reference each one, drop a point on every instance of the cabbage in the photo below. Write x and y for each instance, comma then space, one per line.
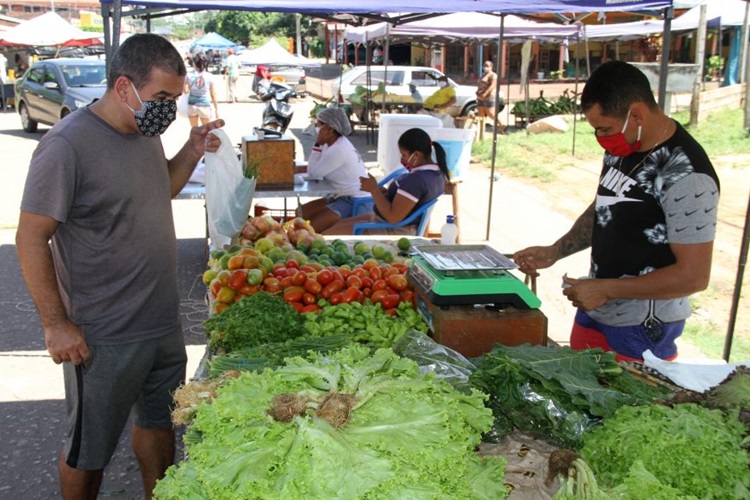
409, 435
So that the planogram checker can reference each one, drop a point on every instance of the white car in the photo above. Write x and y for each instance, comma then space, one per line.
398, 80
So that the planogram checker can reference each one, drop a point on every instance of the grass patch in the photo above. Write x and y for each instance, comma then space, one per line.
543, 156
710, 341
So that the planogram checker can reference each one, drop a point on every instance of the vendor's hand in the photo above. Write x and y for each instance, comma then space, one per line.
531, 259
586, 294
202, 141
66, 343
368, 184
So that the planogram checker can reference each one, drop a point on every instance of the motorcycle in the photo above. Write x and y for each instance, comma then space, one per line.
278, 112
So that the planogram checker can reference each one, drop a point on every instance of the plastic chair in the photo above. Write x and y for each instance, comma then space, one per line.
422, 215
357, 203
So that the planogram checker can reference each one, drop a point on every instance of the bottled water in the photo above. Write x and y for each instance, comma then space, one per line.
449, 231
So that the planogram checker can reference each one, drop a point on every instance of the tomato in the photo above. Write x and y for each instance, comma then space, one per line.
215, 286
219, 307
291, 295
325, 276
338, 276
299, 278
271, 285
367, 292
336, 298
360, 273
246, 290
350, 295
367, 282
377, 296
298, 306
354, 281
225, 295
370, 264
402, 268
345, 272
407, 295
390, 300
331, 288
279, 273
360, 297
398, 282
277, 267
390, 272
307, 268
310, 308
286, 282
224, 276
379, 284
235, 262
376, 273
315, 265
308, 298
291, 263
250, 262
291, 271
313, 286
238, 279
393, 311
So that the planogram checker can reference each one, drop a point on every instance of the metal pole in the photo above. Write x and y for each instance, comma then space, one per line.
737, 286
494, 128
298, 23
743, 44
575, 91
700, 55
666, 41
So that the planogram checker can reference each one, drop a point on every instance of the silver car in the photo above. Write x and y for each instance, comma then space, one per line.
397, 80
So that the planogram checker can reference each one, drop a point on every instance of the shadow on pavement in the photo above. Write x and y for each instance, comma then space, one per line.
24, 135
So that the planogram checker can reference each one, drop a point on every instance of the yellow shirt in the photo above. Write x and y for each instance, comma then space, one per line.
439, 98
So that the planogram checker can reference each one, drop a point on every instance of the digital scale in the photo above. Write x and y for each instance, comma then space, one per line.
471, 301
468, 274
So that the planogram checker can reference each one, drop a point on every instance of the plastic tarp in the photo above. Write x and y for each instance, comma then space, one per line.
48, 30
718, 12
464, 25
272, 53
411, 6
212, 41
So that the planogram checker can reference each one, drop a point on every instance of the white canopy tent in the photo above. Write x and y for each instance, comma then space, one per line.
48, 30
272, 53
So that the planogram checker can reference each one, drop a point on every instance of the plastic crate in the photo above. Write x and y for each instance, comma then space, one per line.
278, 214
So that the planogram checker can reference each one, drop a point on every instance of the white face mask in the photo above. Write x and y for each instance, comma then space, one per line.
443, 85
317, 131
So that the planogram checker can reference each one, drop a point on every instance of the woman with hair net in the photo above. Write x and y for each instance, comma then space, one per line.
335, 159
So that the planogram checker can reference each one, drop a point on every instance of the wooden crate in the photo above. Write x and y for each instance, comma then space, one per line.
277, 161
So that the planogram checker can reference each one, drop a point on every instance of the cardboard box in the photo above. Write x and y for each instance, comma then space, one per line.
276, 157
473, 331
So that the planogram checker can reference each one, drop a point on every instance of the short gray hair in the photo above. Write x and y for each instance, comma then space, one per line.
137, 57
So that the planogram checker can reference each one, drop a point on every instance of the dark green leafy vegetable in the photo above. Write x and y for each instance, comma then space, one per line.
555, 393
256, 319
734, 392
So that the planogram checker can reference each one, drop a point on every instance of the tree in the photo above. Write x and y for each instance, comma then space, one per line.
252, 28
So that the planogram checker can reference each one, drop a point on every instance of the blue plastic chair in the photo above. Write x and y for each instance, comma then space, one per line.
358, 203
421, 216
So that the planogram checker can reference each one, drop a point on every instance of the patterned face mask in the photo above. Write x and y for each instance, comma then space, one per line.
154, 117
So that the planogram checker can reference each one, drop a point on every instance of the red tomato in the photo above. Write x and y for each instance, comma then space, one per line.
298, 306
407, 295
238, 279
336, 298
392, 311
307, 268
376, 273
331, 288
338, 276
370, 264
271, 285
391, 271
398, 282
390, 301
377, 296
350, 295
291, 271
367, 282
313, 286
308, 298
299, 278
354, 282
402, 268
277, 267
291, 295
292, 263
280, 273
367, 292
360, 273
310, 308
286, 282
379, 284
325, 276
316, 266
360, 296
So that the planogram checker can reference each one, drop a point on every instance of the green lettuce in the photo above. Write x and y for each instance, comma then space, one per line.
409, 435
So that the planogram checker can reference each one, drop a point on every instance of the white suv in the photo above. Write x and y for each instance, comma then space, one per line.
398, 80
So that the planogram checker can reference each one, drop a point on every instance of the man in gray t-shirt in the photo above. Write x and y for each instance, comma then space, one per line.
97, 249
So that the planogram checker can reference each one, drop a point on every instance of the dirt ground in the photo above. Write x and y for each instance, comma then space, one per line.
575, 186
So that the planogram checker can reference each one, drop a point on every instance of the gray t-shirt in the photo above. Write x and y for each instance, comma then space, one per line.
115, 250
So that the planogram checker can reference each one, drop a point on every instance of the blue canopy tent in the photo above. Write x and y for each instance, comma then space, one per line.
212, 41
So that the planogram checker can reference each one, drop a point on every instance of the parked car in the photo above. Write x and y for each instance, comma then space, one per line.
53, 88
398, 80
292, 76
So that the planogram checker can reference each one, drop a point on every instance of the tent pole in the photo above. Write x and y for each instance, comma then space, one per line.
494, 128
666, 41
106, 15
575, 91
737, 286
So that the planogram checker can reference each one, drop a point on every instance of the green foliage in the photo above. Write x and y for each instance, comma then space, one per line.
406, 435
721, 134
253, 28
710, 341
690, 448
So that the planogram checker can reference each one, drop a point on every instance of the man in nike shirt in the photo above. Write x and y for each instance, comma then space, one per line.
650, 229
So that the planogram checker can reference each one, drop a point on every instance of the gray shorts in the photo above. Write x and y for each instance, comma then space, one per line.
139, 376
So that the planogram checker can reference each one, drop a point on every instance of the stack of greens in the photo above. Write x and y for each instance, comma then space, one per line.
347, 425
556, 393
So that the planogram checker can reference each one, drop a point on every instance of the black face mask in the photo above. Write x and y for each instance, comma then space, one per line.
154, 117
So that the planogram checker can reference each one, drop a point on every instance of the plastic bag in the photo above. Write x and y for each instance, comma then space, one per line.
182, 105
443, 361
229, 193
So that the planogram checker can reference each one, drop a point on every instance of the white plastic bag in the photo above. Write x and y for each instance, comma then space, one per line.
229, 193
182, 105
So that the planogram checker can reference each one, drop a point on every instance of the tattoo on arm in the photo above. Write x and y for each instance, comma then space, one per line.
579, 236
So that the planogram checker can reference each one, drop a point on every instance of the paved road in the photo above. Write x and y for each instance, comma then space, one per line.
31, 390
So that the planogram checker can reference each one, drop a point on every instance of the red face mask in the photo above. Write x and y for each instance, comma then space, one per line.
617, 145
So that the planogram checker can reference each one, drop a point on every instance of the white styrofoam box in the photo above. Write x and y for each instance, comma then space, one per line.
457, 145
390, 129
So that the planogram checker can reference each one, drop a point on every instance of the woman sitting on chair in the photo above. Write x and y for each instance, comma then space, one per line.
335, 159
424, 182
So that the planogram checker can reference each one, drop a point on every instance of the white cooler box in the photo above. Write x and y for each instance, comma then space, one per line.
457, 145
390, 129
